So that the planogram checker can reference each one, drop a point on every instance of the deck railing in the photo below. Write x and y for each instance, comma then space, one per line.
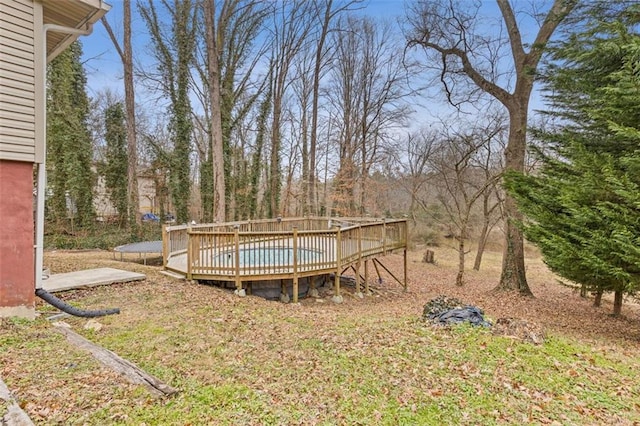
278, 248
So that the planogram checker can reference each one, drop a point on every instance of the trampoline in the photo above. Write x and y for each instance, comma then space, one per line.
142, 248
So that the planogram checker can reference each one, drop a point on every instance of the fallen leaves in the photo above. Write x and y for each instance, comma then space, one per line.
367, 360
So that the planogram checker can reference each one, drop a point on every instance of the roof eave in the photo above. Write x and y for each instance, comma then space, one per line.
96, 10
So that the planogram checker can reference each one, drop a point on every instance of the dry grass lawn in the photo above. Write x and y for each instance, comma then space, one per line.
365, 361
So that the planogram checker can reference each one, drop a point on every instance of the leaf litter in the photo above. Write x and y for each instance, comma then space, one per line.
325, 363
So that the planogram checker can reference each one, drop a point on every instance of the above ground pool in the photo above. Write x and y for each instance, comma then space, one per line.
263, 256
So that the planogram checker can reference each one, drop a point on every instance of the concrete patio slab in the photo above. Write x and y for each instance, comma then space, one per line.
89, 278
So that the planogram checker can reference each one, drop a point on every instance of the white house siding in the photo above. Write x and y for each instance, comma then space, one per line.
18, 81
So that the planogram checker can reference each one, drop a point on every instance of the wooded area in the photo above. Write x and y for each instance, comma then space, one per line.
257, 109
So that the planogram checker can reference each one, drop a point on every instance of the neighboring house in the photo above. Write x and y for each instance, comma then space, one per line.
149, 201
32, 33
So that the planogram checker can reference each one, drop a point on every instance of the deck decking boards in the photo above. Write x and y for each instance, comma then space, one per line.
197, 251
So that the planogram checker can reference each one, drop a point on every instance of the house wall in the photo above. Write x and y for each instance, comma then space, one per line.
21, 87
147, 199
21, 123
17, 281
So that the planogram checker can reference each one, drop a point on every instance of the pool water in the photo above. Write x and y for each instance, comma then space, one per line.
264, 256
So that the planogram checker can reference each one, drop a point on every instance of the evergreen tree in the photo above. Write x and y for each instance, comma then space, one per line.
582, 210
69, 149
116, 160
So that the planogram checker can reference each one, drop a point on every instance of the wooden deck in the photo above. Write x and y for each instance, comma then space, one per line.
282, 249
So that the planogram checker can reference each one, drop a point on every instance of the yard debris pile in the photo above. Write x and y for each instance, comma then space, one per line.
519, 329
445, 310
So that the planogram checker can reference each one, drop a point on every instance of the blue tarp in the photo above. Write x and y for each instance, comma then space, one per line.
469, 314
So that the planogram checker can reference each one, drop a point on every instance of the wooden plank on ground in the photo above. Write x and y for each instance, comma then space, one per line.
14, 416
129, 370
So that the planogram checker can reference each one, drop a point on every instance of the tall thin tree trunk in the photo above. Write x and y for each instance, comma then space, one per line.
482, 243
275, 173
130, 106
126, 56
313, 142
460, 276
215, 122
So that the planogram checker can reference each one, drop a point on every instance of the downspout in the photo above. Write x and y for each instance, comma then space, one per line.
42, 172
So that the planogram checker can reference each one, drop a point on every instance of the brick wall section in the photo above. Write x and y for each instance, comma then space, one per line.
17, 284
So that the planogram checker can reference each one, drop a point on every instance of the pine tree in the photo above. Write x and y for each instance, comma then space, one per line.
582, 209
69, 149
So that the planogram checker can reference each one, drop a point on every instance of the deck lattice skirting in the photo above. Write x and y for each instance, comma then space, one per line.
288, 248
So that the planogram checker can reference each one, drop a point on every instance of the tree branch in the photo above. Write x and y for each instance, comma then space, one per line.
493, 89
515, 39
112, 36
559, 10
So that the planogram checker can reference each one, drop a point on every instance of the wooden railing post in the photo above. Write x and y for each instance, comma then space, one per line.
295, 264
165, 246
190, 242
236, 238
406, 244
384, 236
338, 260
359, 262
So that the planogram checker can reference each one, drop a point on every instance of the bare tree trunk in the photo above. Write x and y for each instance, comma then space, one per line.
311, 203
597, 302
482, 243
513, 270
460, 276
129, 98
617, 303
215, 121
126, 55
275, 172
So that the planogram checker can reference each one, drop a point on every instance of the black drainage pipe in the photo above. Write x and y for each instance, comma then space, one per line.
65, 307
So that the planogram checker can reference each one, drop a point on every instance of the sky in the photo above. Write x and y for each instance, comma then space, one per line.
104, 67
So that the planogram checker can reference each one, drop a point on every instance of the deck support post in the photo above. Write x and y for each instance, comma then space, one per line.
375, 265
366, 278
405, 269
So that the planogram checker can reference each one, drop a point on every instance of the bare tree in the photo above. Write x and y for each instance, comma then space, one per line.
292, 24
459, 164
230, 30
326, 11
491, 164
409, 162
126, 55
448, 35
369, 93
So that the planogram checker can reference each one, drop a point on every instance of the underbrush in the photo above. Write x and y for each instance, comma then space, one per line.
103, 236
